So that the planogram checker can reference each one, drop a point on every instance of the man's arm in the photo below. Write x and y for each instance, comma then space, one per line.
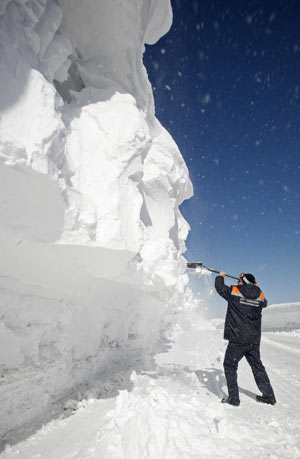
265, 303
265, 299
220, 286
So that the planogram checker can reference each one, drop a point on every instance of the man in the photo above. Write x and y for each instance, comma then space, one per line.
243, 331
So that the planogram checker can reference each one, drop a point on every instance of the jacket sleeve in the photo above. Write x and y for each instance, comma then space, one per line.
221, 288
265, 303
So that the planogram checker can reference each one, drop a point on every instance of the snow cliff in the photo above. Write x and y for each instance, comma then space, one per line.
90, 187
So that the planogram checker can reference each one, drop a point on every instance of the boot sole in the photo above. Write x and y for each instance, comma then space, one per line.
267, 402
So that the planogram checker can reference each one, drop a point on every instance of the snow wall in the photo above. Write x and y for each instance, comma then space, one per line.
90, 183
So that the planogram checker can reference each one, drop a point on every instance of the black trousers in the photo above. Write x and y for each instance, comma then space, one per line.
234, 353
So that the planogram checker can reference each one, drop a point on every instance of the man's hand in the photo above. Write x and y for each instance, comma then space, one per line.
222, 273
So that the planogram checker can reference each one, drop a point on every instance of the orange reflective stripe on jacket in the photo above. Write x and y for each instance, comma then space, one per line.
236, 292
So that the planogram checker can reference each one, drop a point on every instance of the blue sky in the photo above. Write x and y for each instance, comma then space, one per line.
226, 84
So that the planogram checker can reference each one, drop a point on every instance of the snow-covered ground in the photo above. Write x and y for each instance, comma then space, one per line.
171, 408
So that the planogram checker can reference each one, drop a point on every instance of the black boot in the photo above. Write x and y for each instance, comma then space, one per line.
230, 402
268, 400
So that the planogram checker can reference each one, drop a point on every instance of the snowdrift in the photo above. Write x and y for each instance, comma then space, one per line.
280, 317
90, 186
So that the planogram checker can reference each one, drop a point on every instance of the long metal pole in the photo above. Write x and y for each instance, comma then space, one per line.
201, 265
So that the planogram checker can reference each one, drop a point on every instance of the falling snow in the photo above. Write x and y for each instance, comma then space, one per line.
233, 75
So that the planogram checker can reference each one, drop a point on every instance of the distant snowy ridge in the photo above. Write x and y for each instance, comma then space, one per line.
275, 317
90, 183
284, 316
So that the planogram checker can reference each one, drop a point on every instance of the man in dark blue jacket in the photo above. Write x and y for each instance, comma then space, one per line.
243, 331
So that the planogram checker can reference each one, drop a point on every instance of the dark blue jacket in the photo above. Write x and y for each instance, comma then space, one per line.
243, 317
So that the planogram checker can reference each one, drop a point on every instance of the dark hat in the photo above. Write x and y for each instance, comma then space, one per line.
248, 278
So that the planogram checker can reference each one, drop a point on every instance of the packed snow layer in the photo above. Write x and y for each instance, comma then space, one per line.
174, 411
90, 186
285, 316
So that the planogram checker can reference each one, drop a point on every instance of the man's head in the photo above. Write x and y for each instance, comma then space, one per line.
247, 279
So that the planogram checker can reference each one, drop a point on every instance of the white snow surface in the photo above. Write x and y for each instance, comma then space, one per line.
173, 409
285, 316
91, 234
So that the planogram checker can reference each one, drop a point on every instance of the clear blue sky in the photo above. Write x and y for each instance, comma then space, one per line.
226, 84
